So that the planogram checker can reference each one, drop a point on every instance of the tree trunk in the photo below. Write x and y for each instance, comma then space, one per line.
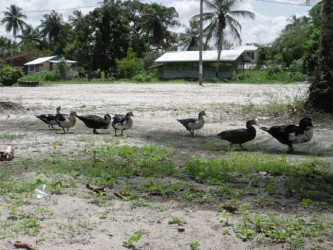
321, 90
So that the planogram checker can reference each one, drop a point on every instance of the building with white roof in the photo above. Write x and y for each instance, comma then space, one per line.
185, 64
47, 63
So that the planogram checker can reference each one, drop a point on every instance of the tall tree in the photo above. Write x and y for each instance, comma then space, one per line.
222, 15
321, 90
76, 18
31, 38
290, 45
156, 20
81, 39
190, 38
13, 19
109, 29
51, 27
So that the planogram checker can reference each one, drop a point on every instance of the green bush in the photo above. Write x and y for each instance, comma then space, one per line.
43, 76
9, 75
151, 77
271, 75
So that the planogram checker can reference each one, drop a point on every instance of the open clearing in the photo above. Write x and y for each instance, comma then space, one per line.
77, 218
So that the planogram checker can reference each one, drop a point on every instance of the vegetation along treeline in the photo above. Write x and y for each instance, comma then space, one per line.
125, 37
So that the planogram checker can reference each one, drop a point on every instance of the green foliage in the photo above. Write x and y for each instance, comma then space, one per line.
274, 74
9, 75
150, 77
61, 68
290, 230
42, 76
130, 65
131, 240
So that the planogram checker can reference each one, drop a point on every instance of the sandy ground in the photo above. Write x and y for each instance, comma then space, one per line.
156, 108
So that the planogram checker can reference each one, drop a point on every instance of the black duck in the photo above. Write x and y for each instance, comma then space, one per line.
95, 122
241, 135
49, 119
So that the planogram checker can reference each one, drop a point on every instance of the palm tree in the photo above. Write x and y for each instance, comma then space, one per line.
190, 38
13, 19
76, 18
321, 90
221, 16
30, 36
156, 19
51, 26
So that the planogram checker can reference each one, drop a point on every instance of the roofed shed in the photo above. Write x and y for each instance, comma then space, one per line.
47, 63
185, 64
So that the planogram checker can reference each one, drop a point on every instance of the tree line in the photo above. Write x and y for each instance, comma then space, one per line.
105, 34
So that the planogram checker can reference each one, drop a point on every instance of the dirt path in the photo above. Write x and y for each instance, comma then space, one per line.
76, 222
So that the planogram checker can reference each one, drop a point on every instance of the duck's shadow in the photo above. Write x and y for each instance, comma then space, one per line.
202, 142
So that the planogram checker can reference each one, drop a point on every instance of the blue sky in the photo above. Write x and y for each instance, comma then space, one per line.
270, 19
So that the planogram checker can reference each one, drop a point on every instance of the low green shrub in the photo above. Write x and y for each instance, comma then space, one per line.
271, 75
9, 75
43, 76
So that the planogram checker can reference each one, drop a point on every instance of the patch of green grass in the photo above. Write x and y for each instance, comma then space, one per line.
278, 229
307, 180
177, 220
194, 245
21, 226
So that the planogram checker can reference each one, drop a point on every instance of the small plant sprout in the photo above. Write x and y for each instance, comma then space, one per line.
131, 240
194, 245
129, 243
177, 220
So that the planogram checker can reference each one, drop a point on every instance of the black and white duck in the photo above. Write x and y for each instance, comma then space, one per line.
95, 122
122, 122
49, 119
65, 121
292, 134
192, 124
241, 135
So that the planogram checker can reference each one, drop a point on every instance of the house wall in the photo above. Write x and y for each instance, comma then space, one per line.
190, 70
32, 69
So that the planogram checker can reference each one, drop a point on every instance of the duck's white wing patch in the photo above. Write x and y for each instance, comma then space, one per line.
300, 138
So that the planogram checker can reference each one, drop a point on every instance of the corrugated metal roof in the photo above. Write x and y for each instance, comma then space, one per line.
193, 56
247, 47
67, 61
40, 60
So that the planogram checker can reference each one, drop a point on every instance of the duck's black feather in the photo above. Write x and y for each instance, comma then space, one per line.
241, 135
95, 121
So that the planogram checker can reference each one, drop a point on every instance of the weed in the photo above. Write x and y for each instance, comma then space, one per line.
177, 220
131, 240
194, 245
129, 243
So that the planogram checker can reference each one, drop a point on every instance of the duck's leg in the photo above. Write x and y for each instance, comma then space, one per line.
240, 144
122, 132
64, 131
51, 126
94, 131
192, 132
